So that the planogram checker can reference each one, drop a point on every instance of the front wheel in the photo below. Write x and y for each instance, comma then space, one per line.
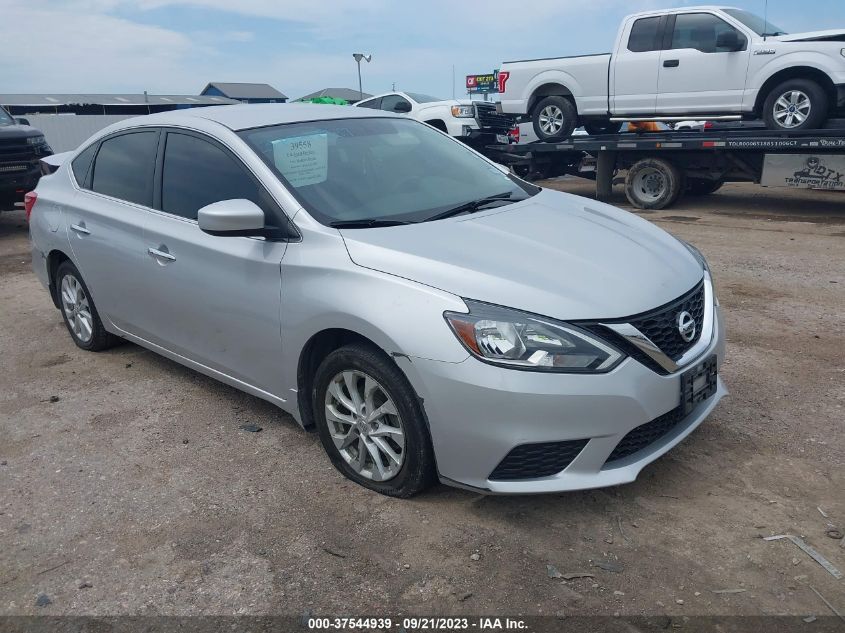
371, 422
796, 104
554, 118
653, 183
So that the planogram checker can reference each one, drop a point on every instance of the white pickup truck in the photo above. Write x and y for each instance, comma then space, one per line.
715, 63
474, 122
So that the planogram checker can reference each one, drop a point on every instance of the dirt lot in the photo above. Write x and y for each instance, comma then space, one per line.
128, 487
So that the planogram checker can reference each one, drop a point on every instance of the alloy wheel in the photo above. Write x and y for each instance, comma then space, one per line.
551, 120
77, 308
792, 108
364, 425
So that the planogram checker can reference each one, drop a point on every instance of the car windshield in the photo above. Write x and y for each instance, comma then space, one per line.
5, 118
380, 170
421, 98
755, 22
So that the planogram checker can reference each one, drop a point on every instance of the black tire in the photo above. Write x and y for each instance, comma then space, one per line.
702, 186
418, 470
819, 106
653, 183
552, 106
600, 127
100, 339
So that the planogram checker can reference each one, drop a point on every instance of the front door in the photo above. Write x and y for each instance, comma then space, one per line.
215, 300
698, 75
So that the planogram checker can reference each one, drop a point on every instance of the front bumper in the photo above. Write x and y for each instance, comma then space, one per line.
14, 183
478, 413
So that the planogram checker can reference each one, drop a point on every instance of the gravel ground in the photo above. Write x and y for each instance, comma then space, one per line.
127, 486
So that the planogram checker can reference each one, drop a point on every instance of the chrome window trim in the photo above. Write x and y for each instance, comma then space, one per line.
643, 343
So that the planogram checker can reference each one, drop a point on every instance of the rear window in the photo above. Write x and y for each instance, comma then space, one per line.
644, 35
125, 165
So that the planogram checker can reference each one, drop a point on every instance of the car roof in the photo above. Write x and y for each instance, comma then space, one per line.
693, 9
251, 115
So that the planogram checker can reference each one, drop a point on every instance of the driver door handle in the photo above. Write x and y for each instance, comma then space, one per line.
672, 63
161, 254
80, 228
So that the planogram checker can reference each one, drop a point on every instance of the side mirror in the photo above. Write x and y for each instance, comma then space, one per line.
403, 107
21, 120
730, 41
237, 217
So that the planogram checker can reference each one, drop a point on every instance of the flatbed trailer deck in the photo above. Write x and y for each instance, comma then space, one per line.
662, 166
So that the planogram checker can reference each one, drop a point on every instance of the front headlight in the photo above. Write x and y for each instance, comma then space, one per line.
518, 340
36, 140
462, 112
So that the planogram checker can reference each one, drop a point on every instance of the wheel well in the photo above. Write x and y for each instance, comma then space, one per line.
440, 125
547, 90
54, 260
313, 353
796, 72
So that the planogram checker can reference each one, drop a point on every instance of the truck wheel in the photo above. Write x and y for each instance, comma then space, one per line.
554, 118
653, 183
702, 186
796, 104
597, 128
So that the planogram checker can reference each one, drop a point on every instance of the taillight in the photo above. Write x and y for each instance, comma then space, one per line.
513, 134
708, 125
29, 202
503, 79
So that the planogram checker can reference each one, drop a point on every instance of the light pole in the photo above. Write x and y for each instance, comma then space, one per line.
358, 57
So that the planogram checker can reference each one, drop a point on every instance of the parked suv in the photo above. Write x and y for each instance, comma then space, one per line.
689, 63
428, 313
21, 148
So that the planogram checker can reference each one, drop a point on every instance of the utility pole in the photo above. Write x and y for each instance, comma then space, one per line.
358, 57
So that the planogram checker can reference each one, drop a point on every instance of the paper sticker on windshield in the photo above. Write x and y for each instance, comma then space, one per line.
303, 160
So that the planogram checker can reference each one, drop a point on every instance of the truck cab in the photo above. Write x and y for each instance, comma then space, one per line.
21, 149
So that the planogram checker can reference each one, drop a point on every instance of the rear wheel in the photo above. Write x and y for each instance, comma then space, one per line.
554, 118
796, 104
597, 128
702, 186
79, 312
371, 422
653, 183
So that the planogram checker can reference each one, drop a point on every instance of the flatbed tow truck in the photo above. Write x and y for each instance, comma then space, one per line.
661, 166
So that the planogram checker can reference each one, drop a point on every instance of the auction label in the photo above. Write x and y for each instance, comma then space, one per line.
420, 623
302, 160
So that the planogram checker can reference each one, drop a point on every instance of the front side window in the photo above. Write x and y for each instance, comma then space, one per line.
700, 31
644, 35
125, 165
379, 169
196, 173
390, 102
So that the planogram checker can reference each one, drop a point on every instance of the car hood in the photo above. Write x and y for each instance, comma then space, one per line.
831, 35
554, 254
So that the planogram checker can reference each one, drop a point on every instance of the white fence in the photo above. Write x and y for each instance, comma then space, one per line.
65, 132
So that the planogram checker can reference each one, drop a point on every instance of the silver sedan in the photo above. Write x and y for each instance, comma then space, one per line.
429, 314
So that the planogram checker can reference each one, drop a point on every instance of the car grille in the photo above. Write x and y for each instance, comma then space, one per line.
530, 461
661, 325
490, 120
645, 435
4, 169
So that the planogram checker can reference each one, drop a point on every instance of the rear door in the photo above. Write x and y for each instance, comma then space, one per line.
696, 75
215, 300
106, 220
634, 66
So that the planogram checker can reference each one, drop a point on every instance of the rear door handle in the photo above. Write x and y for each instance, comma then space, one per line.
672, 63
80, 228
161, 254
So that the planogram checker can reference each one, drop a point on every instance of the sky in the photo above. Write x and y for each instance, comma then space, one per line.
300, 46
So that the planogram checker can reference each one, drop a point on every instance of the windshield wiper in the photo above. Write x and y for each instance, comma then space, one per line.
471, 206
366, 223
